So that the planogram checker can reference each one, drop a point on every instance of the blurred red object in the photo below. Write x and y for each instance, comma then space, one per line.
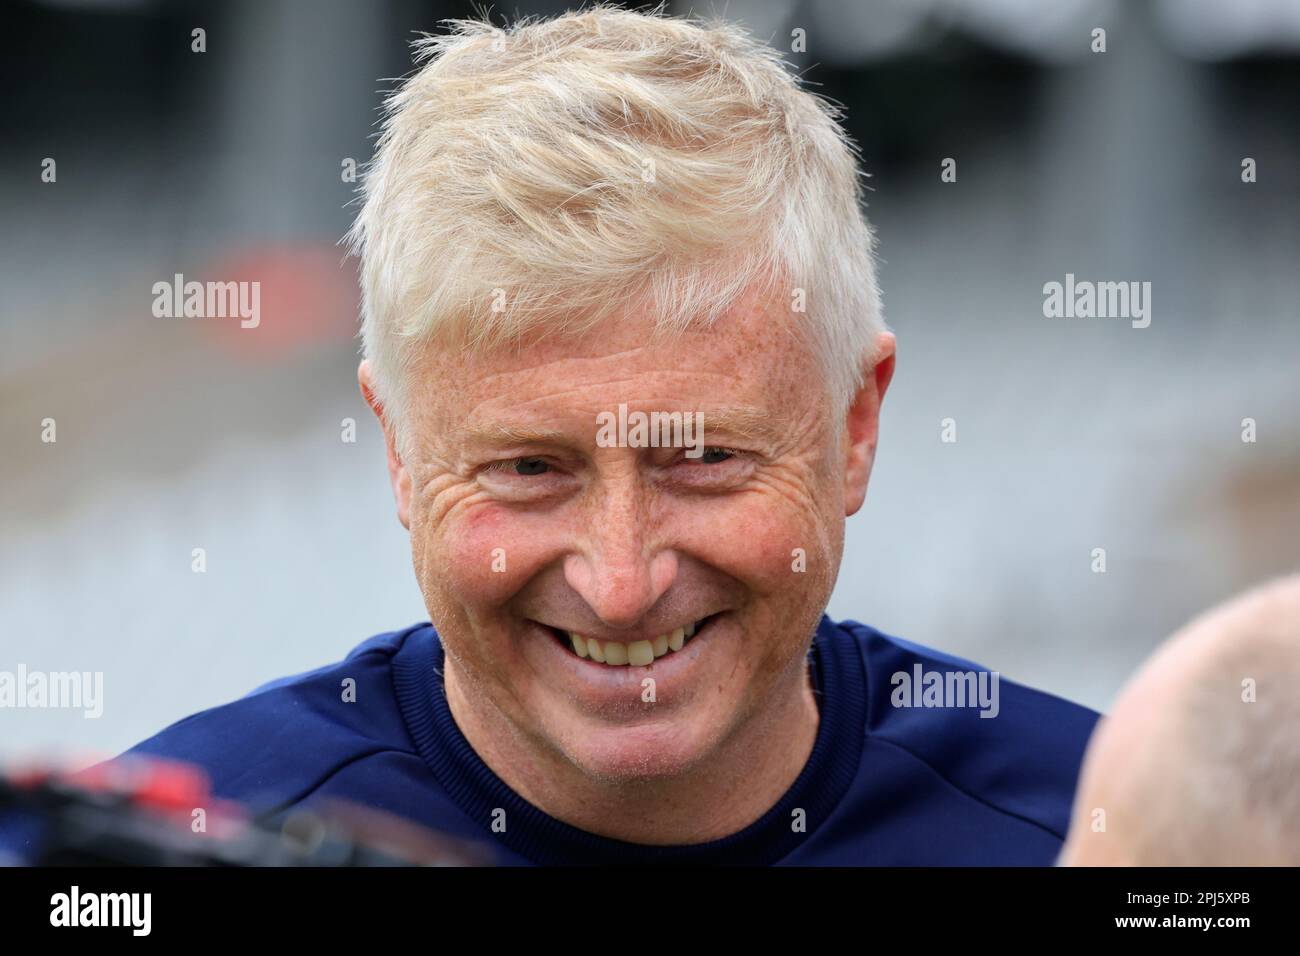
308, 296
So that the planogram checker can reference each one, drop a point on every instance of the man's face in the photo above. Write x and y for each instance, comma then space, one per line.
524, 528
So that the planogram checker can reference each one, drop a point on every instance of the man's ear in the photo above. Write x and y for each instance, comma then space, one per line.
397, 473
862, 425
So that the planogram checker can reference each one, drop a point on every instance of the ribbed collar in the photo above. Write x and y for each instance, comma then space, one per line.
841, 690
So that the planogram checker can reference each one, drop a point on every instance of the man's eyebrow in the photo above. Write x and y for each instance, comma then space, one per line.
503, 434
735, 422
745, 423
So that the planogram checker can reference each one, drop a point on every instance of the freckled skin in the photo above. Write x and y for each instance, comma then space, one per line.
610, 541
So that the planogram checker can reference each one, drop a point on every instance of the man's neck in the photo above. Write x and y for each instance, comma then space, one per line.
727, 791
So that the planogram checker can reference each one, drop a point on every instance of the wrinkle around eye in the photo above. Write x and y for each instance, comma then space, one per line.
497, 478
730, 473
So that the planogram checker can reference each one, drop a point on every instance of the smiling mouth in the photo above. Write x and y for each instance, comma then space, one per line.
628, 654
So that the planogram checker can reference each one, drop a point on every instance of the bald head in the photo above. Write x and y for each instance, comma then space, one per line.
1199, 761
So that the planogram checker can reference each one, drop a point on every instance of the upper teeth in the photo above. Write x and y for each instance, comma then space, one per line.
635, 654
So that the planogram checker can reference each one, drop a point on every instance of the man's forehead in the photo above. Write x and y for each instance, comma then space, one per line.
756, 330
737, 363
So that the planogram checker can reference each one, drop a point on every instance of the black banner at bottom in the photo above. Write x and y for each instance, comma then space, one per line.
333, 906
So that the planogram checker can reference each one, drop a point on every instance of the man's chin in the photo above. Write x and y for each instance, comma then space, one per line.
656, 748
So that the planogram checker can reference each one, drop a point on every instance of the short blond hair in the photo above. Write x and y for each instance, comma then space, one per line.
552, 174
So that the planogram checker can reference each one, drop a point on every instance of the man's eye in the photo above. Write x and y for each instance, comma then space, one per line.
713, 456
529, 466
524, 467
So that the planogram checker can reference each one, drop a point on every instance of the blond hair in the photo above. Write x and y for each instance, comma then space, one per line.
544, 177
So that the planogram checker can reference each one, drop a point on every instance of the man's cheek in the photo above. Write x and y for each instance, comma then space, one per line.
488, 555
771, 548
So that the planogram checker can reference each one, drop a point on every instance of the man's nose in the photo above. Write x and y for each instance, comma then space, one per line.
616, 571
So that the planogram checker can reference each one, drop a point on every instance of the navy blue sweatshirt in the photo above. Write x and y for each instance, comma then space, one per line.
890, 781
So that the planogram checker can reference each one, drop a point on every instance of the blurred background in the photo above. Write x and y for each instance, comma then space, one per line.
1072, 435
